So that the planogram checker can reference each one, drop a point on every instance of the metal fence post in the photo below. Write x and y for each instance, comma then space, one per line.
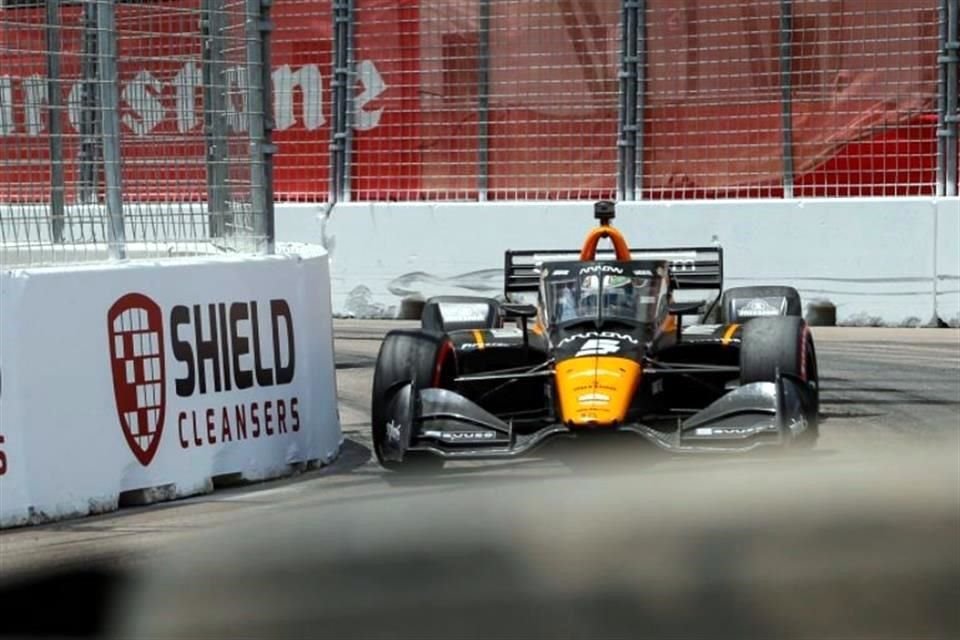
55, 120
786, 93
90, 148
949, 59
627, 77
641, 96
349, 104
110, 125
341, 113
215, 115
255, 28
631, 75
269, 123
483, 102
941, 179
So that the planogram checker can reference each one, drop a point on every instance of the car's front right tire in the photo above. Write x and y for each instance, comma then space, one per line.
784, 343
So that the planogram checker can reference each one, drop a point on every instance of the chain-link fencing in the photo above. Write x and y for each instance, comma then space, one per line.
147, 124
133, 129
641, 99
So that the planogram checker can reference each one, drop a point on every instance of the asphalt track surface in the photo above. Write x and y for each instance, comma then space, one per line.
891, 403
882, 389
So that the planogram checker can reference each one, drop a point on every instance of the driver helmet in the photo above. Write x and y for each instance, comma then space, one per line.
618, 291
589, 293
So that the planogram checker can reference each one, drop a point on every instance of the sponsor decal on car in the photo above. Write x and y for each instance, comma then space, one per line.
701, 329
799, 425
507, 332
758, 307
587, 398
464, 311
608, 335
600, 268
393, 432
216, 348
474, 346
726, 431
461, 436
598, 347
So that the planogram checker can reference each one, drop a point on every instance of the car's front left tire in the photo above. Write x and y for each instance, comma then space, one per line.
424, 359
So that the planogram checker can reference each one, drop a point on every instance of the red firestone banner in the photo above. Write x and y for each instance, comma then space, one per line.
863, 87
161, 100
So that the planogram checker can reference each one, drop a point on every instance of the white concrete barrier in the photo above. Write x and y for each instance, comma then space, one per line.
161, 375
947, 231
880, 260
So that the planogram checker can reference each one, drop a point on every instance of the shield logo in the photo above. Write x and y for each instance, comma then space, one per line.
135, 328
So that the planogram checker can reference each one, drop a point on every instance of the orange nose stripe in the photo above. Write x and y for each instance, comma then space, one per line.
596, 389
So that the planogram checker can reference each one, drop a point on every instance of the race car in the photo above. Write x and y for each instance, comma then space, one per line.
598, 341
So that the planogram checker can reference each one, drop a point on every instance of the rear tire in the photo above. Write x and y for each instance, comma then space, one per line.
405, 356
783, 342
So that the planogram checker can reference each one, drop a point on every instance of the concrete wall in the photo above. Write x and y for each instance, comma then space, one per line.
130, 378
877, 259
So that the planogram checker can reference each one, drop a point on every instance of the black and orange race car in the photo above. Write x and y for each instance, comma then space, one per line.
596, 342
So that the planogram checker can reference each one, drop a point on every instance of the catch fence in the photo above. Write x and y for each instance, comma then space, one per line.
148, 124
640, 99
133, 129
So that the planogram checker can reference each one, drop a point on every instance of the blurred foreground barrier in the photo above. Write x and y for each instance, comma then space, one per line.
141, 381
781, 547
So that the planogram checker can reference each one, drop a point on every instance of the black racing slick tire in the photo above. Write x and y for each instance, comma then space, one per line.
734, 295
405, 356
783, 342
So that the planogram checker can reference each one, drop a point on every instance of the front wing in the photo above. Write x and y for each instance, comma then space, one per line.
445, 423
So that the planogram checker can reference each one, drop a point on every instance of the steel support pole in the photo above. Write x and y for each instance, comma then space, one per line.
269, 124
255, 27
349, 106
110, 126
941, 179
626, 140
632, 86
641, 96
952, 115
786, 93
213, 73
483, 103
337, 97
89, 153
340, 139
55, 120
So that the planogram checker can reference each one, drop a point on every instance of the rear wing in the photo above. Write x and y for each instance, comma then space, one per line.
690, 267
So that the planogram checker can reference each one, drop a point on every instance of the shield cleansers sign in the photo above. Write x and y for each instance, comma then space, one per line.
222, 348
